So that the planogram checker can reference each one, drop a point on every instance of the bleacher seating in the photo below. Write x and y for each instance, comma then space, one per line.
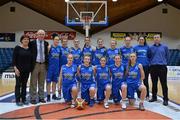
5, 58
174, 57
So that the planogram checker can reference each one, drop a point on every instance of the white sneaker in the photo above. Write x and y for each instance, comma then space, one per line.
106, 105
73, 106
123, 104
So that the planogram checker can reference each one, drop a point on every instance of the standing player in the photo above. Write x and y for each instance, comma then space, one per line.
65, 51
111, 53
142, 57
88, 85
118, 81
53, 67
102, 77
87, 49
134, 79
99, 52
67, 81
126, 50
76, 52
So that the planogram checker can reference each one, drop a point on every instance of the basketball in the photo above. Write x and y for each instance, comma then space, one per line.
80, 103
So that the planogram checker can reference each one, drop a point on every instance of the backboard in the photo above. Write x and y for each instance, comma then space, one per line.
95, 11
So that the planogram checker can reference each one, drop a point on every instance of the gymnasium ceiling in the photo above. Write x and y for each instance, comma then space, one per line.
117, 11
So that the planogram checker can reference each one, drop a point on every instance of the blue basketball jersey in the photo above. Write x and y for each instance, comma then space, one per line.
133, 76
86, 74
125, 52
76, 55
98, 53
54, 56
87, 51
111, 53
68, 74
102, 75
142, 54
65, 52
117, 74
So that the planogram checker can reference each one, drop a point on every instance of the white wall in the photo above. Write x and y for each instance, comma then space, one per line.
149, 21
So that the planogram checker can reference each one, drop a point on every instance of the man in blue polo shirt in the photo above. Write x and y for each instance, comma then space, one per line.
159, 56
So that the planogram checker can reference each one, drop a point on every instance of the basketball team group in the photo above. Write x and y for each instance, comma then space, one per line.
94, 74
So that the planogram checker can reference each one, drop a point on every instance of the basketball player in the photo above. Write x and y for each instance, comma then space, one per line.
111, 52
118, 81
102, 77
76, 52
67, 81
134, 79
142, 51
126, 50
99, 52
65, 51
53, 67
88, 85
87, 49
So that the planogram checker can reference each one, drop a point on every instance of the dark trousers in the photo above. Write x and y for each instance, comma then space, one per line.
159, 71
20, 87
146, 83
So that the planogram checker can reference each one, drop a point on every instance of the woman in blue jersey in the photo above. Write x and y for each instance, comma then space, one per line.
76, 52
142, 57
118, 81
65, 51
134, 79
126, 50
102, 76
88, 85
111, 52
53, 68
67, 81
87, 49
99, 52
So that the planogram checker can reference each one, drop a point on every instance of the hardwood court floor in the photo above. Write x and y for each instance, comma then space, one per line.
173, 86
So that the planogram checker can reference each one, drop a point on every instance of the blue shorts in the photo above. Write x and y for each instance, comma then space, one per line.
52, 74
67, 92
100, 92
85, 91
115, 91
131, 89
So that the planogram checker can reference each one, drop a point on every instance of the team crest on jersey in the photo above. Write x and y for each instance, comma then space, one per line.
118, 75
98, 55
86, 76
76, 56
111, 56
103, 76
55, 55
68, 76
133, 74
87, 53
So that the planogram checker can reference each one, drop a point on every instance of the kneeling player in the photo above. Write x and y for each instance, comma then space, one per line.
103, 82
88, 86
134, 79
68, 81
118, 81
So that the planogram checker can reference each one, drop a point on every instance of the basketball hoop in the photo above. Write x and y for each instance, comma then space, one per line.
86, 20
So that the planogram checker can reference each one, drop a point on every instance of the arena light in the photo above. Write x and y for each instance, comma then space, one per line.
114, 0
66, 0
159, 0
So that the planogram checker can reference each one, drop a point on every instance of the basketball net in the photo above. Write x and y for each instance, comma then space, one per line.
87, 24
